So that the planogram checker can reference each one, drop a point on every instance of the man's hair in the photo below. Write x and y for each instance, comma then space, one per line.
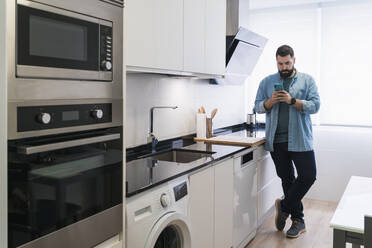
284, 51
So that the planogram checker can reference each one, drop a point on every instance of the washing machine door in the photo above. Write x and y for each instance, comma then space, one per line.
170, 231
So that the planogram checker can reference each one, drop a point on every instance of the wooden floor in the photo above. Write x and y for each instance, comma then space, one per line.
318, 233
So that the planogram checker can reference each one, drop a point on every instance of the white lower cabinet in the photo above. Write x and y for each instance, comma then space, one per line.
211, 211
269, 186
223, 204
266, 171
201, 208
114, 242
267, 197
212, 195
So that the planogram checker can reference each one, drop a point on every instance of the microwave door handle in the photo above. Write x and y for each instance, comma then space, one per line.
27, 150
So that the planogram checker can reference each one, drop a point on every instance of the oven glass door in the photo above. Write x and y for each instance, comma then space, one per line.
55, 40
56, 182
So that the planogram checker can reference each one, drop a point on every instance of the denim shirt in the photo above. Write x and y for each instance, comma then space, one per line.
300, 134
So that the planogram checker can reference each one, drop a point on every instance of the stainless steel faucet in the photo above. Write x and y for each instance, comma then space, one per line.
151, 137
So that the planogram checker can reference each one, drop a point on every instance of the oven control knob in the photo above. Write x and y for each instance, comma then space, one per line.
106, 65
44, 118
164, 200
97, 114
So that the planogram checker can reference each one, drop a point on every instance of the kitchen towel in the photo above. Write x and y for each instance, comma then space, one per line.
201, 128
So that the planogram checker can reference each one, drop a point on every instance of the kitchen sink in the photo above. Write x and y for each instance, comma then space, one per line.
180, 155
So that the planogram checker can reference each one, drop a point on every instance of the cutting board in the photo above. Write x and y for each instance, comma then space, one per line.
233, 140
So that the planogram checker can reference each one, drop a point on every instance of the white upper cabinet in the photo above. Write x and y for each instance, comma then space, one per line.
215, 39
194, 35
168, 35
176, 36
140, 32
154, 34
205, 36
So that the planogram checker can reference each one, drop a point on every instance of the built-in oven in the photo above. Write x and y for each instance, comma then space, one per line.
65, 190
57, 43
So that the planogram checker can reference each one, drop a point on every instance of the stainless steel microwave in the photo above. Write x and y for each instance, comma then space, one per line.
57, 43
61, 53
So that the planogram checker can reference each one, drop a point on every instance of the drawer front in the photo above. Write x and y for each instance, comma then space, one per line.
267, 197
260, 152
266, 171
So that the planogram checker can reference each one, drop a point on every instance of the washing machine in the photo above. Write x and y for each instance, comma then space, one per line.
159, 217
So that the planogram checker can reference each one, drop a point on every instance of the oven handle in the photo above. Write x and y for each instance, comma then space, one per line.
66, 144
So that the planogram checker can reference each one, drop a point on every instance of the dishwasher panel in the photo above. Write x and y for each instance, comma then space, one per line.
245, 199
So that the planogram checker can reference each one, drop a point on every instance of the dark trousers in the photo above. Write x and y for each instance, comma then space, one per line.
294, 188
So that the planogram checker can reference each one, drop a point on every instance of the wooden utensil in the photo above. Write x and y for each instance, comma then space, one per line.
209, 127
202, 110
214, 111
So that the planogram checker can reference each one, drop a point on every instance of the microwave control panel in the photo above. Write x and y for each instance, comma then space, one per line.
106, 48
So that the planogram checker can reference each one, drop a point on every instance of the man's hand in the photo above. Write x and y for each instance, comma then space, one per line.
284, 96
273, 100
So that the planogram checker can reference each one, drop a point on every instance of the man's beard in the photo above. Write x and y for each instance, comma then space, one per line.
286, 73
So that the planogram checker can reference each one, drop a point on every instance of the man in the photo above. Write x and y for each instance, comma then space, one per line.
288, 98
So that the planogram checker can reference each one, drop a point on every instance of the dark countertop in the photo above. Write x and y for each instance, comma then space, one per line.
145, 173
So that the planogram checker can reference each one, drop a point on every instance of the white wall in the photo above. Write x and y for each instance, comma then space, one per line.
147, 90
3, 128
340, 152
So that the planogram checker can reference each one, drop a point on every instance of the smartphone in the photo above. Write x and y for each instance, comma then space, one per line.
278, 87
